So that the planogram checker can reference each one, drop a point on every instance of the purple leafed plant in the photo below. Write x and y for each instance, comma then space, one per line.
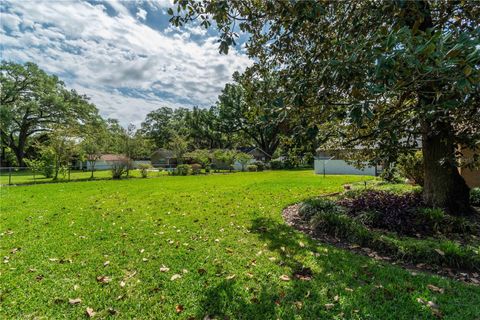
395, 212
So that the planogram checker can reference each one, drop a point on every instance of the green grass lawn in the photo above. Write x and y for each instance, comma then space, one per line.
26, 176
223, 236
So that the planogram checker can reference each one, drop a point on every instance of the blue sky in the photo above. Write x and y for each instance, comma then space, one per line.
123, 54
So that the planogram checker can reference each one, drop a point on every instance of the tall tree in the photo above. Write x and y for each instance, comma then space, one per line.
253, 107
32, 101
351, 60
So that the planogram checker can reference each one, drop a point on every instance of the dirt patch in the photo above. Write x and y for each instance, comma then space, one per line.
292, 218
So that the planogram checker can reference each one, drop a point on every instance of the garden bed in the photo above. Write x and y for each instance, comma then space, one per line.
448, 249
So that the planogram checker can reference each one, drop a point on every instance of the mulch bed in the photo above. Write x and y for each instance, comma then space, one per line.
291, 217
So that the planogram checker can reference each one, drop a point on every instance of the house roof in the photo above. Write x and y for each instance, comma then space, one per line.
164, 153
251, 150
113, 157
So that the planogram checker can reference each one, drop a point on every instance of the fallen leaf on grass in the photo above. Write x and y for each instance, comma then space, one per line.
433, 288
164, 269
440, 252
175, 277
14, 250
106, 263
179, 308
349, 289
329, 306
230, 277
103, 279
89, 312
336, 298
122, 284
75, 301
201, 271
284, 277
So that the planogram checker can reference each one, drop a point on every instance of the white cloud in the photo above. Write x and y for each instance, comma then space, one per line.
99, 54
141, 14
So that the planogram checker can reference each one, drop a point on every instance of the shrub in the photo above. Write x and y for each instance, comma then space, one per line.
411, 166
260, 165
475, 197
252, 168
119, 168
196, 168
183, 170
395, 211
277, 165
244, 159
208, 168
432, 251
311, 207
144, 167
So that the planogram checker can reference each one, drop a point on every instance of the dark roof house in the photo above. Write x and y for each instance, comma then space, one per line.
163, 157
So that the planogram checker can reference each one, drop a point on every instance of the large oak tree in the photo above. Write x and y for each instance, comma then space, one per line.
400, 67
32, 101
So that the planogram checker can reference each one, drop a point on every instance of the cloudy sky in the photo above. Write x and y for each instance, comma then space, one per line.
123, 54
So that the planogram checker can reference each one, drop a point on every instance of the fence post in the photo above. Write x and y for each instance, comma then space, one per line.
9, 175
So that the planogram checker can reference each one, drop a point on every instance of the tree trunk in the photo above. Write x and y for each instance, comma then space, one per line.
444, 187
19, 155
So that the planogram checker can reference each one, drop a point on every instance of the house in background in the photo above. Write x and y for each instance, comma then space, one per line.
106, 161
256, 153
163, 158
332, 162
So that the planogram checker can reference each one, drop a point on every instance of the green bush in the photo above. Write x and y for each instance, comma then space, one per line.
182, 170
444, 253
475, 197
196, 168
252, 168
144, 167
208, 168
411, 166
277, 165
311, 207
260, 165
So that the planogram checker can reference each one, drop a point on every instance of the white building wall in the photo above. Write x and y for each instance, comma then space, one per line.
106, 165
238, 166
341, 167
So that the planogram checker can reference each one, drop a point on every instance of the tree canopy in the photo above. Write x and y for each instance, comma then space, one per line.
32, 102
383, 70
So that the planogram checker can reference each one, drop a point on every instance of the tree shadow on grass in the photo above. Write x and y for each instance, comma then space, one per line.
319, 275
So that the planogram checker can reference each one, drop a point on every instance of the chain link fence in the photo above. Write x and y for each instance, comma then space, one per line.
27, 175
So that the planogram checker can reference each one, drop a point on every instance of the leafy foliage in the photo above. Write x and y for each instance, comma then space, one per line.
384, 209
244, 159
475, 197
182, 170
379, 75
411, 167
144, 167
32, 102
196, 168
311, 207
